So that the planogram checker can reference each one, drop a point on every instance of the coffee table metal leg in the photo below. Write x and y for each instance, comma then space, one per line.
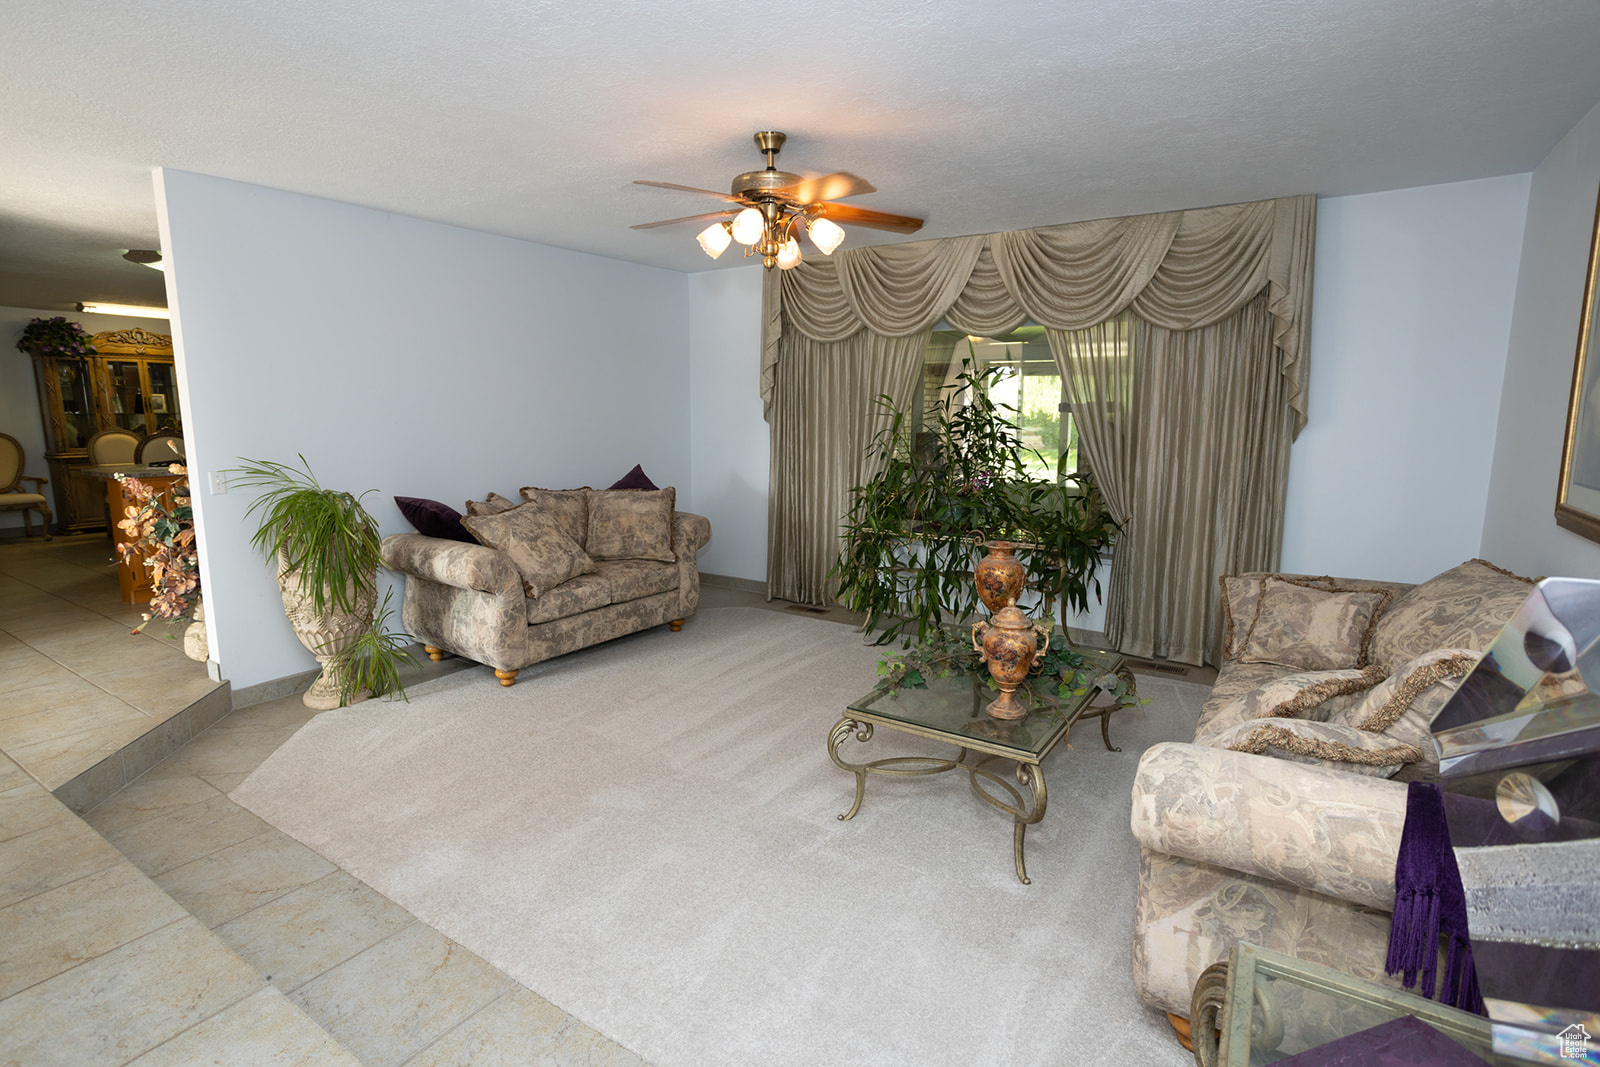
901, 766
841, 730
1023, 813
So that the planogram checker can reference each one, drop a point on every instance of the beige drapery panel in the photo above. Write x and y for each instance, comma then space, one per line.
1178, 271
824, 419
1191, 428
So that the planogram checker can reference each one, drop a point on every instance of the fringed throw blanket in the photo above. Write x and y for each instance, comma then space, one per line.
1428, 902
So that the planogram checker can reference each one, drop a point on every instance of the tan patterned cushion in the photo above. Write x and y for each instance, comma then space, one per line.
1464, 607
1403, 706
1326, 744
631, 524
568, 507
543, 555
1298, 695
1302, 626
1240, 595
493, 504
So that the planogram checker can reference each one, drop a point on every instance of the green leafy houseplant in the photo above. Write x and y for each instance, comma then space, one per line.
56, 336
1059, 673
325, 540
911, 534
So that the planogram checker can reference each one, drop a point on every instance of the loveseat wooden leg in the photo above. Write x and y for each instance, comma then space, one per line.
676, 624
506, 677
435, 654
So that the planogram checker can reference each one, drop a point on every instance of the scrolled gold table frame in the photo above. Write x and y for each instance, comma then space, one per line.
1025, 811
1025, 801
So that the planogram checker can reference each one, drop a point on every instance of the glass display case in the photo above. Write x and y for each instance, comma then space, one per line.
128, 382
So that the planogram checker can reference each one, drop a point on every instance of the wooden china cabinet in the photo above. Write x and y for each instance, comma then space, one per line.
129, 381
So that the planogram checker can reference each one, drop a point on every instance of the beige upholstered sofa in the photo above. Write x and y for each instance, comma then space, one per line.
1279, 825
562, 570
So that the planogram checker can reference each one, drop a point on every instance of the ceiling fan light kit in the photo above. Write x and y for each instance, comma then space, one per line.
769, 208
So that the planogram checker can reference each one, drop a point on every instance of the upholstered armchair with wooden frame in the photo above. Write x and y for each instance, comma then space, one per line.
12, 498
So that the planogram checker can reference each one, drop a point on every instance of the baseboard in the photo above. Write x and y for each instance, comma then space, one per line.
743, 585
250, 695
97, 784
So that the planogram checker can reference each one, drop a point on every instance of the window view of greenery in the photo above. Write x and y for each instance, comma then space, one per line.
1031, 393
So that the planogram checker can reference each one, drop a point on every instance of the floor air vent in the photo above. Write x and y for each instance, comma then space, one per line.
1157, 666
810, 609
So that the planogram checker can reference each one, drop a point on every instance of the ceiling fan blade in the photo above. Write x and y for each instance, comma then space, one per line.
830, 187
873, 220
687, 218
690, 189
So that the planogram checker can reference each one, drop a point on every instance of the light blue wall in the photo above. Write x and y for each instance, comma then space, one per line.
1411, 314
1519, 529
728, 435
406, 357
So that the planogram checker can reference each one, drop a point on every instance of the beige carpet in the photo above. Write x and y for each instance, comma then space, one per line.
646, 834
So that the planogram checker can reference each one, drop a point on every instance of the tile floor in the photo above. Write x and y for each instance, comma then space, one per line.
75, 688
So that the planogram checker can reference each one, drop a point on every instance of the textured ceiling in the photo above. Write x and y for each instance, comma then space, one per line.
531, 118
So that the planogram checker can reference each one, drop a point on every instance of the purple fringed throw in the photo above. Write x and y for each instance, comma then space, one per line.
1429, 901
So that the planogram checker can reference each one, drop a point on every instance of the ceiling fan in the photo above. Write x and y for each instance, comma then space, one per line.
768, 209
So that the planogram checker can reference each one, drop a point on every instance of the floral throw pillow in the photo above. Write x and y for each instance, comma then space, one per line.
1328, 744
1464, 607
631, 524
568, 508
1403, 706
1312, 629
493, 504
1241, 595
543, 555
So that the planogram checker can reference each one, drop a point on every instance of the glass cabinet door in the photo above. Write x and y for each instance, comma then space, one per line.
164, 411
77, 413
126, 393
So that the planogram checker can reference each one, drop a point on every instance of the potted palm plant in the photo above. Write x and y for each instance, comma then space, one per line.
325, 547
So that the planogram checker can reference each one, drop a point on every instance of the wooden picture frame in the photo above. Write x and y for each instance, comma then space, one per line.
1578, 493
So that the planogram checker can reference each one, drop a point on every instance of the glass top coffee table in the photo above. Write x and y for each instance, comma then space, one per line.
951, 710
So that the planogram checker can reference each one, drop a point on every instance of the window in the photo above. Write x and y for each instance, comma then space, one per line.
1029, 388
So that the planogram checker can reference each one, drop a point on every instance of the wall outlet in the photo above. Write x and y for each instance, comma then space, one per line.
219, 483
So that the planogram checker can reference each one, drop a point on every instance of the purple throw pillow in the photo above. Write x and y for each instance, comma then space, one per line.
433, 519
634, 479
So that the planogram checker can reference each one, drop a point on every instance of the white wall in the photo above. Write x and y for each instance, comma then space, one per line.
403, 356
19, 395
1411, 315
1519, 529
728, 443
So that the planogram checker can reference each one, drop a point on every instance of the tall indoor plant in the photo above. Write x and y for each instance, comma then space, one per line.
325, 547
911, 533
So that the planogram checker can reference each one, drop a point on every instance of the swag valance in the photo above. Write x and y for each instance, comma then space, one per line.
1180, 270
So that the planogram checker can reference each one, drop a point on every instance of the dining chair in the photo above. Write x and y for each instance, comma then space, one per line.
160, 447
12, 498
111, 446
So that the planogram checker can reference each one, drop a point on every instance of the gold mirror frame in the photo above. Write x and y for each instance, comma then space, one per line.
1578, 493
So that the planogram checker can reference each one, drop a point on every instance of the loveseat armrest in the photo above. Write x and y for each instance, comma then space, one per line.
1324, 830
690, 533
453, 563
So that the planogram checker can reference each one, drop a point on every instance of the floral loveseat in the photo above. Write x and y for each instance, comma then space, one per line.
558, 571
1279, 825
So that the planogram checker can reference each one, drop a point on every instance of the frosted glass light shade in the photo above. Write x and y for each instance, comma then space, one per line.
748, 226
789, 254
714, 239
825, 235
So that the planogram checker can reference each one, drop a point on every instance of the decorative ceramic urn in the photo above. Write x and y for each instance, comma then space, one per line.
1009, 642
327, 635
1000, 576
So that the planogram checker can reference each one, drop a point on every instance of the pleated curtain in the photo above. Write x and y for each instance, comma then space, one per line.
1215, 301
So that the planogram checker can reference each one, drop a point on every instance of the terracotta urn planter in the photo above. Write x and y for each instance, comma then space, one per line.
1009, 642
325, 636
1000, 576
